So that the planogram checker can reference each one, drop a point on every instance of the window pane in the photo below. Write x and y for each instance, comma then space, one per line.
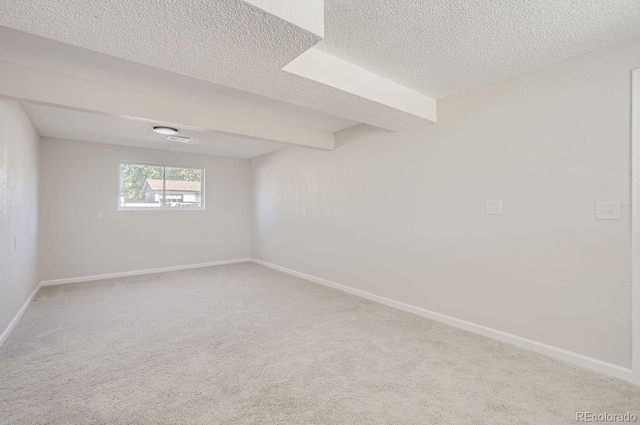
140, 186
184, 187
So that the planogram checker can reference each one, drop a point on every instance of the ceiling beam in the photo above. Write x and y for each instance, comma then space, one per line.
332, 71
34, 85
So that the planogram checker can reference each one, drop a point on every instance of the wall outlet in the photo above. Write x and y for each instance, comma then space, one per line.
303, 213
494, 206
607, 210
100, 215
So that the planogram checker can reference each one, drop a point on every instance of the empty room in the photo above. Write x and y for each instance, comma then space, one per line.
319, 212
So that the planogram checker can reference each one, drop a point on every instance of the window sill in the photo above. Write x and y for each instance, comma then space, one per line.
154, 209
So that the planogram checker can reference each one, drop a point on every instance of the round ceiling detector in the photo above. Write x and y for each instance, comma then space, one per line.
165, 130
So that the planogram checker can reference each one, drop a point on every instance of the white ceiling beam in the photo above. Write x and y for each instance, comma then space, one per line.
31, 84
327, 69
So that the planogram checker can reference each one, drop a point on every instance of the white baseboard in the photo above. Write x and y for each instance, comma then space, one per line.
139, 272
538, 347
18, 316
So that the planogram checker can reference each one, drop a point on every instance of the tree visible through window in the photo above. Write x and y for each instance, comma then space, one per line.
145, 186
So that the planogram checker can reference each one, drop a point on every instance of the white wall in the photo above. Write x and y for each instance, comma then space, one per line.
78, 179
18, 209
402, 215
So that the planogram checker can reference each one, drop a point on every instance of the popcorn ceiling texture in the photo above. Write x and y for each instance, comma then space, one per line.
243, 344
442, 47
228, 42
50, 55
438, 47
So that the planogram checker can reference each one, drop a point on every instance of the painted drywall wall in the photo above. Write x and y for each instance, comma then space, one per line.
19, 142
79, 179
402, 215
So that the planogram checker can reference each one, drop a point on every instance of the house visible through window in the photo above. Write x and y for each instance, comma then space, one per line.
146, 186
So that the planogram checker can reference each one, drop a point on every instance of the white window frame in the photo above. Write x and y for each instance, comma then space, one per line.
161, 208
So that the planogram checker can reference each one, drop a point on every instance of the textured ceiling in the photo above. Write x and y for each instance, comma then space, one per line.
38, 52
436, 47
229, 42
71, 124
307, 14
442, 47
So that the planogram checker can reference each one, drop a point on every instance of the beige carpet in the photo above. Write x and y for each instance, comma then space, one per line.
244, 344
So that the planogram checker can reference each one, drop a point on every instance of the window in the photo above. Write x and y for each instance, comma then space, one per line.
160, 187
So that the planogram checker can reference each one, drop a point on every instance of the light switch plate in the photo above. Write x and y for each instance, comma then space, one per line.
607, 210
100, 215
494, 206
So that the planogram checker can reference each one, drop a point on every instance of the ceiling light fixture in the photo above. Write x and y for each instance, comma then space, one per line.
178, 139
165, 130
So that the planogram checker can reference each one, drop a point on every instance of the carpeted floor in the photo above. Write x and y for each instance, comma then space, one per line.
242, 344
